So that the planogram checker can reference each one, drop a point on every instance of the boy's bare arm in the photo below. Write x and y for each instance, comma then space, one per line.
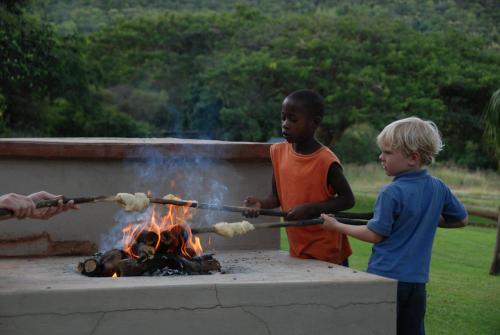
362, 233
271, 201
343, 200
454, 224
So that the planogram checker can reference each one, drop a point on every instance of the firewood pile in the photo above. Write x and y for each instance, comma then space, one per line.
162, 245
171, 257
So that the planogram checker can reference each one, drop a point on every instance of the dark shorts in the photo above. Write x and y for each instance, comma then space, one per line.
411, 308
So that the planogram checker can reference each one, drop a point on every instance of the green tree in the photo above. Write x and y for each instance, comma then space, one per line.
48, 86
492, 118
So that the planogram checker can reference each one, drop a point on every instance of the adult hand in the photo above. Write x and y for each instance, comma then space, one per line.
253, 203
48, 212
21, 206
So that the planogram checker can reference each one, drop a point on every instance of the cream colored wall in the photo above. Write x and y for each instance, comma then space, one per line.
204, 180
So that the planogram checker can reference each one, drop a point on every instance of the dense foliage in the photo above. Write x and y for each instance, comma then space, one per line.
146, 71
475, 17
48, 86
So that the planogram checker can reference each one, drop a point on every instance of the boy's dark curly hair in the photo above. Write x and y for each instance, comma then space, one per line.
310, 100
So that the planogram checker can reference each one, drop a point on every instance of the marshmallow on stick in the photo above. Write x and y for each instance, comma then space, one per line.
230, 229
133, 202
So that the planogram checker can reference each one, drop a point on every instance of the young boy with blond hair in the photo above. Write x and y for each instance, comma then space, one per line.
406, 215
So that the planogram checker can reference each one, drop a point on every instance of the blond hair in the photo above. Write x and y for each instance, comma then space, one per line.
412, 135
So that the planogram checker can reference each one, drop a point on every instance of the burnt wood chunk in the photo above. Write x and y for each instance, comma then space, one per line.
152, 254
201, 264
90, 267
102, 265
131, 267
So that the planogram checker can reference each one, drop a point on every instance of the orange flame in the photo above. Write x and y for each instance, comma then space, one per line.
168, 223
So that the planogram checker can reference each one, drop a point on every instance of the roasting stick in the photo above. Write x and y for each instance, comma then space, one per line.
238, 209
82, 200
178, 202
54, 202
240, 228
212, 229
143, 202
195, 204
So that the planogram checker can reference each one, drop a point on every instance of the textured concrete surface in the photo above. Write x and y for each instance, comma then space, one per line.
260, 292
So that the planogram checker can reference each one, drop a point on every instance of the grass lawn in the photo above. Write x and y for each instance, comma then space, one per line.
462, 297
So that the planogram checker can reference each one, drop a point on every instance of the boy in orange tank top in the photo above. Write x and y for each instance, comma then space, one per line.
307, 181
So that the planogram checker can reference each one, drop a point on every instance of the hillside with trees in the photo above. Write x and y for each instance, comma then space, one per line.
218, 70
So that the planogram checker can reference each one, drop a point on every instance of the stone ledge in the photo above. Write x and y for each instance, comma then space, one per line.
262, 292
130, 148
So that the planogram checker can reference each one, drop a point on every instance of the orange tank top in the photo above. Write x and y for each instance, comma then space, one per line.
303, 179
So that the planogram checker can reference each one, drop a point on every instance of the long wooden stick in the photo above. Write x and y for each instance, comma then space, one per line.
54, 202
184, 203
239, 209
301, 223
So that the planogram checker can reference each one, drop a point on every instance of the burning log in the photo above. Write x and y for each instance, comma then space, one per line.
151, 254
102, 265
159, 264
145, 245
151, 238
131, 267
168, 264
160, 245
201, 265
173, 240
144, 251
90, 267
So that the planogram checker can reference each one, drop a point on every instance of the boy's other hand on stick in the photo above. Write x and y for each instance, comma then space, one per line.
299, 212
330, 222
253, 203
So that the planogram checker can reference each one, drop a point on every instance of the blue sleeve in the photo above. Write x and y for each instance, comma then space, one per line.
383, 213
453, 209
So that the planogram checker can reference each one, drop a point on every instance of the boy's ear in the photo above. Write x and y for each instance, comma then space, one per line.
415, 158
317, 120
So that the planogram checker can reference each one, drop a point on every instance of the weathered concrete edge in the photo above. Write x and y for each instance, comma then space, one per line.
130, 148
208, 296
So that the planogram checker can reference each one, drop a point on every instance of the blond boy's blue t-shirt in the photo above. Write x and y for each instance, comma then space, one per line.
407, 213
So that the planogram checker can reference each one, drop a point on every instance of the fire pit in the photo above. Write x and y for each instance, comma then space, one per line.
259, 289
161, 244
258, 292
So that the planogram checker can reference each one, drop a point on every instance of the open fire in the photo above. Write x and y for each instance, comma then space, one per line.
163, 244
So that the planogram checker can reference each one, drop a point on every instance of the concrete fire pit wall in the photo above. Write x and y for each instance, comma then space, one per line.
206, 171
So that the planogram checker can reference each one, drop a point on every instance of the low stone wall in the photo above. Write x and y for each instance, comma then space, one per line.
260, 292
206, 171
